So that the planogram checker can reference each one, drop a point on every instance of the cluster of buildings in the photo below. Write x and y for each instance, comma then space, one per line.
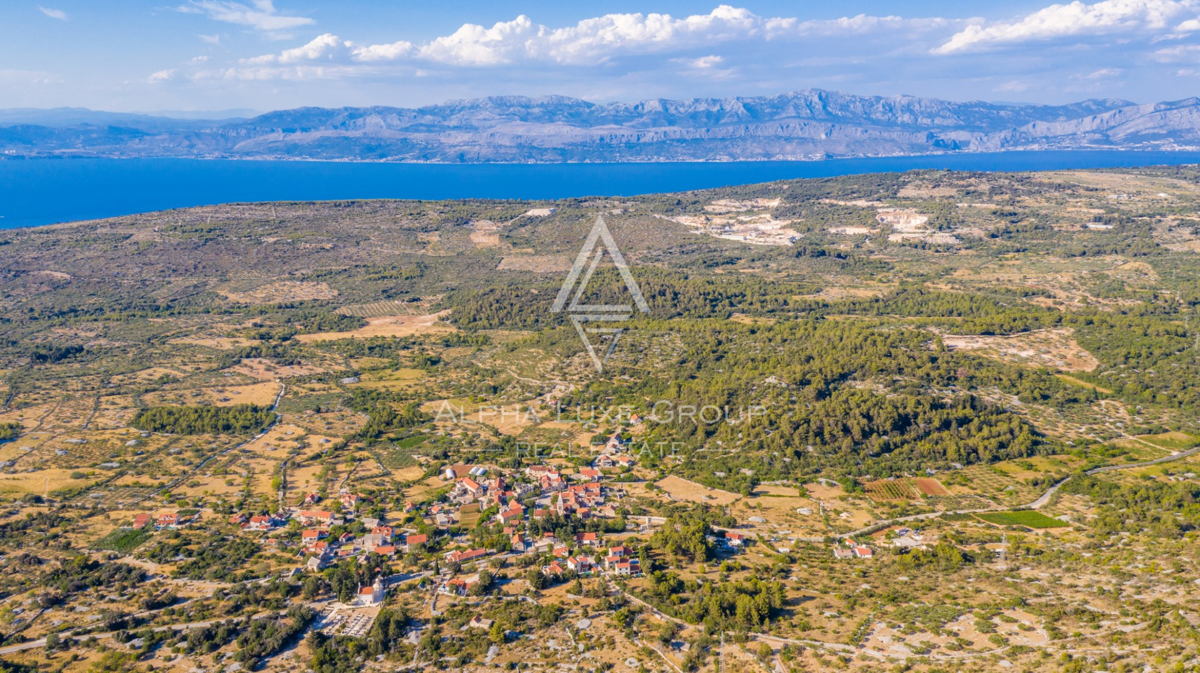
532, 494
907, 538
163, 520
512, 499
617, 561
581, 495
850, 549
728, 541
320, 550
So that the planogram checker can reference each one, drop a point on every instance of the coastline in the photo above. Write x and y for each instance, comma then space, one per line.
39, 192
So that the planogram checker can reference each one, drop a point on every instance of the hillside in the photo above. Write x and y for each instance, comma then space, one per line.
886, 420
811, 124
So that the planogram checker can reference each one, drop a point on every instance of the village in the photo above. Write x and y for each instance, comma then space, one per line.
519, 502
529, 507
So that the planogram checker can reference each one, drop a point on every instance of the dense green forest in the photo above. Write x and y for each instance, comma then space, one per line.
238, 419
739, 605
1164, 510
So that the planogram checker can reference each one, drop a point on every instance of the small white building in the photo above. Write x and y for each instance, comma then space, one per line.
372, 595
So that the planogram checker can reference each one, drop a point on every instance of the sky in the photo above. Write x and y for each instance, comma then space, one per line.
192, 55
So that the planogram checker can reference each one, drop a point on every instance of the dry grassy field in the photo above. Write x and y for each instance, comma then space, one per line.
387, 326
679, 488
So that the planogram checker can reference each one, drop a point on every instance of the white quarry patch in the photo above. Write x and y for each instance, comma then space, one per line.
903, 221
757, 228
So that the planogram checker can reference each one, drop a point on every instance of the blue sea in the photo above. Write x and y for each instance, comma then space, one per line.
44, 191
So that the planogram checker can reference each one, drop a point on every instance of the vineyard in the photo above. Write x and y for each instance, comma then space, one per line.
892, 490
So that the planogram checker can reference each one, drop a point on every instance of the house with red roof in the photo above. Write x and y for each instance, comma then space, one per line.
627, 568
261, 522
539, 471
552, 482
465, 555
470, 487
510, 515
321, 517
459, 586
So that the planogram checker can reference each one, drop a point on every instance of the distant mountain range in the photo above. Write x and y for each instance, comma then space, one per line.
811, 124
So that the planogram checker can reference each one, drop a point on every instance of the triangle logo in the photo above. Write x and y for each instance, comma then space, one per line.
598, 243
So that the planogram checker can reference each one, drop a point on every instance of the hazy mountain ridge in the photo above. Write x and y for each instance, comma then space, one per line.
809, 124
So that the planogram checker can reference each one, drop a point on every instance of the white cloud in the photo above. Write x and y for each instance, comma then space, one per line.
384, 52
603, 37
849, 25
325, 46
53, 13
478, 46
1073, 20
161, 76
271, 72
589, 42
1187, 53
702, 63
211, 39
259, 14
1104, 73
330, 47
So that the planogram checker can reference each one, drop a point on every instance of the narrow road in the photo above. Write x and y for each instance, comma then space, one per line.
187, 475
1156, 461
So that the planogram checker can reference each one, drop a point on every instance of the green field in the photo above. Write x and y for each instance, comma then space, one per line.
1027, 518
122, 540
1172, 441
